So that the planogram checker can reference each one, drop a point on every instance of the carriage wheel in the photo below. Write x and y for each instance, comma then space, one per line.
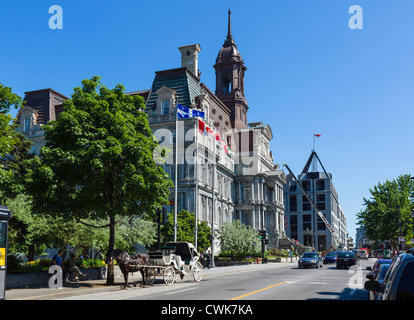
169, 275
197, 271
151, 276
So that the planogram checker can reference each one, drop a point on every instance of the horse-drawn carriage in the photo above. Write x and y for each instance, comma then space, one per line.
175, 258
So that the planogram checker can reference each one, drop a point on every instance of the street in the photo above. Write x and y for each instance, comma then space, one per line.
273, 281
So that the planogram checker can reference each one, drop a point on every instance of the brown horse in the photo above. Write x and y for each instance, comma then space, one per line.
133, 263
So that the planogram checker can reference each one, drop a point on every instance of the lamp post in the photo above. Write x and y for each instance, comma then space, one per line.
412, 216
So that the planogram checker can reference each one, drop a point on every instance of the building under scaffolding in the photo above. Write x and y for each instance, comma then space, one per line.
303, 222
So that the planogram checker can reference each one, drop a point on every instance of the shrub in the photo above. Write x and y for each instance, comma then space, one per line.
92, 263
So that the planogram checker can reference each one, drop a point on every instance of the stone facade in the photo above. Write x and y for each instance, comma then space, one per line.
242, 184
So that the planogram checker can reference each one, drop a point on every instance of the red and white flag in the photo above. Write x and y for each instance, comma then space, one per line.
207, 131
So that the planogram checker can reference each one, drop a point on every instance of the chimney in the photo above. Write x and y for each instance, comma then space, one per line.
189, 58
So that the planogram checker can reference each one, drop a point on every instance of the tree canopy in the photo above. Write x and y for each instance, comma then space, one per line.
185, 230
13, 146
98, 162
388, 211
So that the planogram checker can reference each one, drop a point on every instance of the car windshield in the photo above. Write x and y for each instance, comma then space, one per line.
310, 255
346, 255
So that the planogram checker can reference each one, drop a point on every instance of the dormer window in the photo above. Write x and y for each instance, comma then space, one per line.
26, 124
165, 107
165, 100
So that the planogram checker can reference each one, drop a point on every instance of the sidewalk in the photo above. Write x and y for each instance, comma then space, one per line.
89, 286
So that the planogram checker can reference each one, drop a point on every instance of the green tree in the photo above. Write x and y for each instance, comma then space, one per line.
32, 233
185, 230
98, 161
387, 212
237, 237
13, 146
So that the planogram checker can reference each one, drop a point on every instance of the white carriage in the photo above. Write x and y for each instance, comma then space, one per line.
175, 258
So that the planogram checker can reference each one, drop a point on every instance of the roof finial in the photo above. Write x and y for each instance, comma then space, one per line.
229, 39
229, 27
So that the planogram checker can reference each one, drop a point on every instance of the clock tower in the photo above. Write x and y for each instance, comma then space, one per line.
230, 71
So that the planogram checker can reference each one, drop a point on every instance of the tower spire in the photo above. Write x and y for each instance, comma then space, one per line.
229, 22
229, 39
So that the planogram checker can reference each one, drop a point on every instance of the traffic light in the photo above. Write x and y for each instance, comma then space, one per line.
262, 235
164, 215
158, 215
267, 239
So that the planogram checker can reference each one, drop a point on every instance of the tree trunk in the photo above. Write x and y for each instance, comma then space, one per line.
31, 252
110, 277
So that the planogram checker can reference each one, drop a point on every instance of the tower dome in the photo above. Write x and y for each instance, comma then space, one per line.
229, 50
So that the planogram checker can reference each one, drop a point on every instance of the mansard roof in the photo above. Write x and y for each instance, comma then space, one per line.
181, 80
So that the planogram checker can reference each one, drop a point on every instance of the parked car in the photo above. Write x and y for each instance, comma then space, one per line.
374, 268
346, 259
398, 283
382, 271
330, 257
362, 254
310, 259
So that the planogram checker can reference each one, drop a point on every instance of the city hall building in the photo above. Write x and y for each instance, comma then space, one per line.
228, 173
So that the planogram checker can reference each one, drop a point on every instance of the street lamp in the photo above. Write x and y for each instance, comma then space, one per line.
309, 237
412, 216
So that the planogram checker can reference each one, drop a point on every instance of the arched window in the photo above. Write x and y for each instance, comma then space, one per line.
226, 85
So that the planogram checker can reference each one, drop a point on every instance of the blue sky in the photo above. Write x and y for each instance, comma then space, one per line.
307, 71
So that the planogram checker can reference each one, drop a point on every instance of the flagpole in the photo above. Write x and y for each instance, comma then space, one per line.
175, 175
196, 186
313, 141
213, 239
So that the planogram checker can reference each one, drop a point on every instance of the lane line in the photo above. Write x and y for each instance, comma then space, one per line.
181, 290
248, 294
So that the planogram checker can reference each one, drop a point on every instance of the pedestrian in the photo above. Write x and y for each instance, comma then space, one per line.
72, 267
208, 258
58, 258
202, 258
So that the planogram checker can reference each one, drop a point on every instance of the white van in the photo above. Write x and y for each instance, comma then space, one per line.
362, 254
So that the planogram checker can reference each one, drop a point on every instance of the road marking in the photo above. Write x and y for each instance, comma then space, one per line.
248, 294
180, 291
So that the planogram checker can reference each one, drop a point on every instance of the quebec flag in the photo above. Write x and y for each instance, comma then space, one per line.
184, 112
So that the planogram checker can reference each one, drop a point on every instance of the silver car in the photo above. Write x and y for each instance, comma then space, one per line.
310, 259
